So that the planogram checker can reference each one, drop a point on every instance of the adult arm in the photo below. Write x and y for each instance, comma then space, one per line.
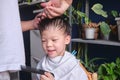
31, 24
52, 9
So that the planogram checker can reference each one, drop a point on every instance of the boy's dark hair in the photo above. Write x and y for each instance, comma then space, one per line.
59, 22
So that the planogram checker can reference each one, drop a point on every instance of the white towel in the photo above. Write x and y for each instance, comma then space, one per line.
11, 40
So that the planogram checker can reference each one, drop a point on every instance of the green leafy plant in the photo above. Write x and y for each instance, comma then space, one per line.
104, 27
78, 16
98, 9
29, 1
109, 71
114, 13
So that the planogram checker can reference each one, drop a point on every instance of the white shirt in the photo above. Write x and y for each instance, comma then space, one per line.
12, 54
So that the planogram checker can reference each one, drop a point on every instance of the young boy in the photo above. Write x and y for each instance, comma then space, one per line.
55, 35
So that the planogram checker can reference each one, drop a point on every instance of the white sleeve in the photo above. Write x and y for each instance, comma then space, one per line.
11, 40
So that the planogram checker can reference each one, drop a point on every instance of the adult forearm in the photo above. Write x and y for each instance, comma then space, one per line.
27, 25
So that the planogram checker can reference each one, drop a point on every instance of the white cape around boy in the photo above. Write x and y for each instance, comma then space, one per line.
65, 67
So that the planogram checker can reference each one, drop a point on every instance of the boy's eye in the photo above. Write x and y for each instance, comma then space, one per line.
43, 41
54, 39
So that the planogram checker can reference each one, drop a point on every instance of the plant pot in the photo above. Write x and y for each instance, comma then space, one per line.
113, 36
84, 32
92, 26
89, 33
118, 24
105, 37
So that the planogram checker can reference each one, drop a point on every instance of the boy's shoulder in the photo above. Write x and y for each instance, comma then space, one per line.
69, 54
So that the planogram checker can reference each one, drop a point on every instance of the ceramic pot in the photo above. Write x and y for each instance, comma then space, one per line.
118, 24
89, 33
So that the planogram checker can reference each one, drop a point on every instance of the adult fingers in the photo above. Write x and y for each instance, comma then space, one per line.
52, 13
44, 4
56, 10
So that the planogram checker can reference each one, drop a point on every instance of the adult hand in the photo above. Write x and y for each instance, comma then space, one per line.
32, 24
37, 19
52, 9
55, 8
47, 76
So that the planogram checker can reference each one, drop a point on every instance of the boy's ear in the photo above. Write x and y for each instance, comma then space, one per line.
67, 39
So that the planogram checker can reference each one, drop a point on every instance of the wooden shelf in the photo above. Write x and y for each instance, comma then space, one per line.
102, 42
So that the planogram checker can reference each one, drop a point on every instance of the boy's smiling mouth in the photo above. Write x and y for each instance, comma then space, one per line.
50, 51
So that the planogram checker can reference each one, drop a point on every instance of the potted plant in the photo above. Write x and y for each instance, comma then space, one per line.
105, 27
116, 15
90, 30
85, 24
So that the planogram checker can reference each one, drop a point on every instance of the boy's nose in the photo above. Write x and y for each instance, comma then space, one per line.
49, 43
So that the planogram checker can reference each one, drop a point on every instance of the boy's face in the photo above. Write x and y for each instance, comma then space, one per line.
54, 41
